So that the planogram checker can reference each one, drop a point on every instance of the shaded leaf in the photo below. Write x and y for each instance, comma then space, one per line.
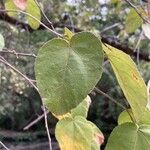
129, 136
129, 79
133, 21
34, 10
2, 42
67, 72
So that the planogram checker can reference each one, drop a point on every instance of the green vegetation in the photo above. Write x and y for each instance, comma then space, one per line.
87, 80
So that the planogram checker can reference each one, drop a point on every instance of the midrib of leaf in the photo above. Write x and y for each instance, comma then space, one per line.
135, 139
144, 137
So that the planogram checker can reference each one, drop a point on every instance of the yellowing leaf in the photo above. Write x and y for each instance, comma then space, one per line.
133, 21
21, 4
78, 134
74, 134
129, 79
9, 4
34, 10
68, 34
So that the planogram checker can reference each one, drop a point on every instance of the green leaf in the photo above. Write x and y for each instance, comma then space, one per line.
76, 134
67, 72
2, 42
82, 108
129, 136
98, 137
9, 4
146, 29
34, 10
129, 79
124, 117
68, 34
133, 21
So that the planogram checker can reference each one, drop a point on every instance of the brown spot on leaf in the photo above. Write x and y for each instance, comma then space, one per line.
99, 138
135, 77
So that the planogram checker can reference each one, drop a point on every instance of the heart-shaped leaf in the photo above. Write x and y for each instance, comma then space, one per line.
78, 134
67, 71
129, 79
129, 136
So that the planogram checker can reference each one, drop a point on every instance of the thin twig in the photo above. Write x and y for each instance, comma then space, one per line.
4, 145
46, 126
49, 29
110, 27
45, 15
137, 46
114, 101
135, 8
35, 121
2, 60
13, 52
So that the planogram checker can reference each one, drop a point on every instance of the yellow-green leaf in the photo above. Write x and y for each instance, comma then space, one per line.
74, 134
68, 34
129, 79
9, 5
124, 117
34, 10
78, 134
133, 21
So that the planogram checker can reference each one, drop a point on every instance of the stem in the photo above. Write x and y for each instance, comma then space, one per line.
135, 8
4, 145
13, 52
45, 15
114, 101
12, 10
34, 121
